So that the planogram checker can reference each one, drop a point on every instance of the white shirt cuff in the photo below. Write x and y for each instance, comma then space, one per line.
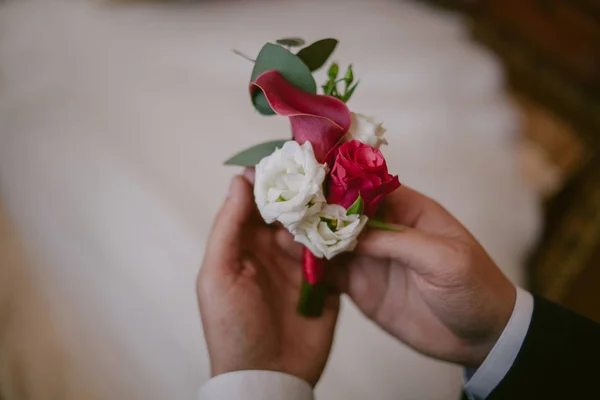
499, 361
255, 385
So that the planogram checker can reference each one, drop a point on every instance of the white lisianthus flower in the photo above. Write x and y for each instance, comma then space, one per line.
367, 130
330, 232
288, 184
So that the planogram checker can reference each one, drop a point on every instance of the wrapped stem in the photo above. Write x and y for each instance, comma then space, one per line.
313, 290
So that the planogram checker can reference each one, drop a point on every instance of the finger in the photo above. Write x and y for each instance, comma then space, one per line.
224, 243
285, 240
338, 273
408, 207
417, 250
250, 174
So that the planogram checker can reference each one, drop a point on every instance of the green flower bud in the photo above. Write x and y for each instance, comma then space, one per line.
333, 71
349, 78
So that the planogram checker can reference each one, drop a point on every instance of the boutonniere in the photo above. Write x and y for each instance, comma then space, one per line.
325, 182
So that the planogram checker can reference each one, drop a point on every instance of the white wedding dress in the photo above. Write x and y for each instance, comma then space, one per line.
114, 122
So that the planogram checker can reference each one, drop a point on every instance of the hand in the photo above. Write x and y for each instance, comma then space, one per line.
431, 285
248, 289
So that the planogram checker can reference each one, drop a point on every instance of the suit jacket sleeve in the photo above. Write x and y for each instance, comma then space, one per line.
559, 358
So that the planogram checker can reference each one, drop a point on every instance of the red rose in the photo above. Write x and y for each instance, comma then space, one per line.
360, 168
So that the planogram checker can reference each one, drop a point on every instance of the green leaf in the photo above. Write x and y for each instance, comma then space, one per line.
349, 93
373, 223
291, 67
356, 207
250, 157
315, 55
291, 42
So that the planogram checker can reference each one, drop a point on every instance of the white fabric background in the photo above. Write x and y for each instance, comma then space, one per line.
114, 122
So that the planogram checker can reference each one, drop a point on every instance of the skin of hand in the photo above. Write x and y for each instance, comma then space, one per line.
431, 285
248, 289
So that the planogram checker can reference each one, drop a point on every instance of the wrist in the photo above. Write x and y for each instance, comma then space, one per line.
499, 319
492, 323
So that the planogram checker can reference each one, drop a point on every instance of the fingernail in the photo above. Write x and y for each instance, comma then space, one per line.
235, 187
249, 175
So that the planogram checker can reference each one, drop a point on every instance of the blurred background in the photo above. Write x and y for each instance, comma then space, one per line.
115, 117
550, 54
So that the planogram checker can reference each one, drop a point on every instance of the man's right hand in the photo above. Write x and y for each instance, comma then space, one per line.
430, 285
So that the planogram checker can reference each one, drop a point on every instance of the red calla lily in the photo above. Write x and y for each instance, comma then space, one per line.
321, 120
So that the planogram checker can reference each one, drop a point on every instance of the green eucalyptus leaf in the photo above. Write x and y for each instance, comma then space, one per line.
356, 207
373, 223
315, 55
291, 42
291, 67
250, 157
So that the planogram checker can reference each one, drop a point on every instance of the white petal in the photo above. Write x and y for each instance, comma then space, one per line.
288, 184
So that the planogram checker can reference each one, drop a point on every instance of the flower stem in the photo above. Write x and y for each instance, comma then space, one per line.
312, 299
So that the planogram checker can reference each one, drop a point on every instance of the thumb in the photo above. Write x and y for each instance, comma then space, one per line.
224, 243
420, 251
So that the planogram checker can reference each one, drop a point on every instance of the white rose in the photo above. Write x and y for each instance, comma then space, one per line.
367, 130
288, 184
330, 232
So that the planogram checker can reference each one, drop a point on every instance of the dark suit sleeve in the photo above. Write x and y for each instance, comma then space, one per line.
559, 358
